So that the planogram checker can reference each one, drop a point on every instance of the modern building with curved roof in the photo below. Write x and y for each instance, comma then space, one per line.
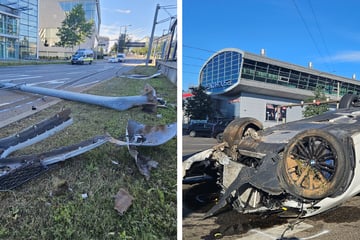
244, 84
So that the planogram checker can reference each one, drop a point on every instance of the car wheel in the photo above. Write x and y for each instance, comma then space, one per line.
192, 133
220, 137
239, 128
314, 165
349, 101
90, 62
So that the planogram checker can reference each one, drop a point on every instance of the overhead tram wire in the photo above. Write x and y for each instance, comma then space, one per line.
308, 30
169, 7
196, 58
192, 65
197, 48
321, 35
166, 10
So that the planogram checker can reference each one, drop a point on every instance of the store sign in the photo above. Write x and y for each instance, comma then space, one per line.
219, 84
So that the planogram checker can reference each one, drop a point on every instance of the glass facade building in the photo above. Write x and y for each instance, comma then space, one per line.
226, 70
51, 15
221, 71
244, 84
18, 29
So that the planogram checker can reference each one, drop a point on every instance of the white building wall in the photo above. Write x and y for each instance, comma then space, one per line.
51, 16
254, 105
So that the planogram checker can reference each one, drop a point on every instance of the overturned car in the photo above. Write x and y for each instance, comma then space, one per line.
308, 166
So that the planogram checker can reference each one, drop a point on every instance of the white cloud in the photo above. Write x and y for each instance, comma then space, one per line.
111, 31
346, 56
123, 11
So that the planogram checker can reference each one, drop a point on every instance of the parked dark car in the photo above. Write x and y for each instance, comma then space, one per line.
200, 129
219, 128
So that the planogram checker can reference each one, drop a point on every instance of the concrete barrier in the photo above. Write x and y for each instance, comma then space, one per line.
169, 69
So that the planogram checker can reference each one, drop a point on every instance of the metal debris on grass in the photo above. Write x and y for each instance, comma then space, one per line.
15, 171
141, 76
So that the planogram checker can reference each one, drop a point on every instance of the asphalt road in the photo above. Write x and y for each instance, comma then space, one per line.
340, 223
196, 144
15, 105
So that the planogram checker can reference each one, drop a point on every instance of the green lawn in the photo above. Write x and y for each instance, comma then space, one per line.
51, 206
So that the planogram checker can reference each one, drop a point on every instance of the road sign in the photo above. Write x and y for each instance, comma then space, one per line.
135, 44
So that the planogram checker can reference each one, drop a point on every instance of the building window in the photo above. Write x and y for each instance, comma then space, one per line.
221, 71
275, 112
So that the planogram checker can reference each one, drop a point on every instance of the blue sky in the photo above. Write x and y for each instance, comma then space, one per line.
139, 14
327, 33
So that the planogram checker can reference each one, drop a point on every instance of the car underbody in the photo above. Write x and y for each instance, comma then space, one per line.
306, 166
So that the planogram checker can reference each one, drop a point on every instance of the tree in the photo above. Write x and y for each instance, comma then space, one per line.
200, 105
74, 29
122, 43
140, 50
316, 109
114, 48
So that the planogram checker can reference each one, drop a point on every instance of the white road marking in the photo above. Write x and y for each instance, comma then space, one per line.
86, 84
56, 81
3, 104
276, 232
19, 78
316, 235
71, 73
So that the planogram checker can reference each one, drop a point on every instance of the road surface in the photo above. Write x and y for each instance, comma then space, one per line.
15, 105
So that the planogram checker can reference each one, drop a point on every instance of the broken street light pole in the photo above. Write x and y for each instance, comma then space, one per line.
118, 103
152, 35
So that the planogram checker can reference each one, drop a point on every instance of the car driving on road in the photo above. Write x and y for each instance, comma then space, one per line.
83, 56
121, 57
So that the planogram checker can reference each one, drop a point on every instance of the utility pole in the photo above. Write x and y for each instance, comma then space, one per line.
152, 34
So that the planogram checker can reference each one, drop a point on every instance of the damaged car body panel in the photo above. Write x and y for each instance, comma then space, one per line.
144, 135
17, 170
308, 166
147, 100
35, 133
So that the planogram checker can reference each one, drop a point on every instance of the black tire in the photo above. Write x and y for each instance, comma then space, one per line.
237, 129
192, 133
220, 137
349, 101
90, 62
314, 165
